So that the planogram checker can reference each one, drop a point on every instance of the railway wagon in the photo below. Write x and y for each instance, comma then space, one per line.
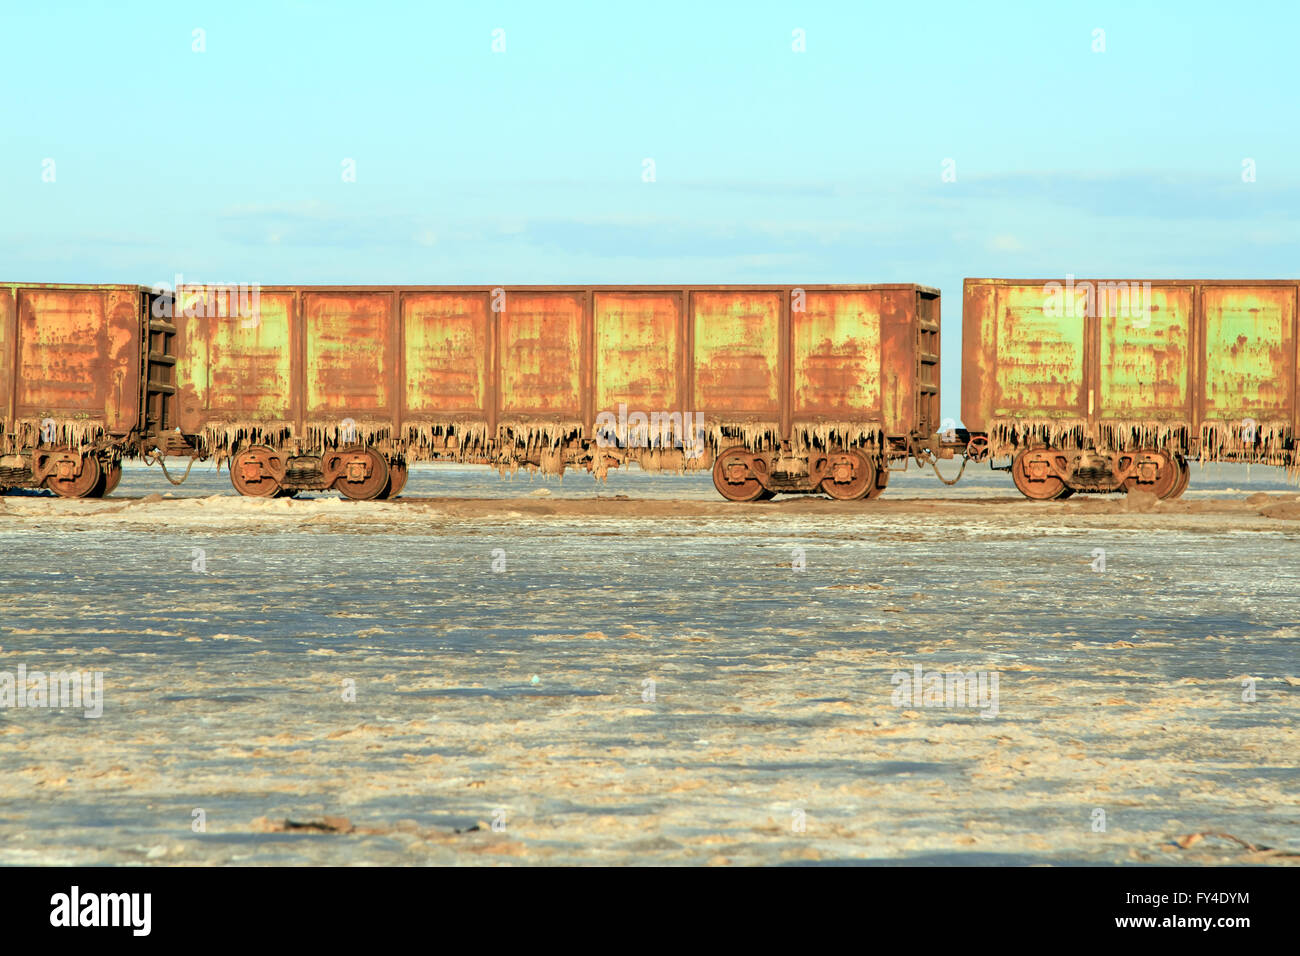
775, 388
1113, 385
82, 371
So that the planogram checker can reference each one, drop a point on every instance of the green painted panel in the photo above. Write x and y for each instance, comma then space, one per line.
235, 367
637, 350
837, 363
1039, 354
1248, 349
1146, 353
446, 353
736, 346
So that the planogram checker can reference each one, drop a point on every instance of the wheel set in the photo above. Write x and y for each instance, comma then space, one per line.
1044, 473
70, 473
357, 472
742, 475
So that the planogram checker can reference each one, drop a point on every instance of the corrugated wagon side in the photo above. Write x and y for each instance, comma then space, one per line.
1112, 385
79, 376
777, 388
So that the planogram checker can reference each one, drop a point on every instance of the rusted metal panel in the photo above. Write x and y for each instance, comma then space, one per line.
587, 361
1027, 347
638, 356
1250, 352
837, 356
978, 354
540, 355
351, 360
8, 329
1040, 354
446, 348
899, 345
77, 359
737, 340
234, 369
1145, 356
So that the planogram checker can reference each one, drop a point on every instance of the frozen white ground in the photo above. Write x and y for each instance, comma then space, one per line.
502, 646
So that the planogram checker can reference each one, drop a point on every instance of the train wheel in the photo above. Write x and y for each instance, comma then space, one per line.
849, 476
110, 473
1184, 477
733, 476
356, 472
1033, 473
112, 477
255, 472
397, 473
1157, 472
71, 474
882, 480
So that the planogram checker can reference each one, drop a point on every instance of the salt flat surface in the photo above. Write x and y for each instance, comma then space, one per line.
226, 629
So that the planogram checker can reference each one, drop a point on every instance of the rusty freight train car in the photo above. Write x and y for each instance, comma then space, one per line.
776, 388
1112, 385
82, 374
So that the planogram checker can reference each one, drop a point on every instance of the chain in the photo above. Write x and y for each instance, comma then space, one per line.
158, 460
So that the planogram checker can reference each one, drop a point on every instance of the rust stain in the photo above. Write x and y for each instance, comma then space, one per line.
541, 335
1249, 353
235, 369
7, 331
1039, 358
736, 344
77, 356
349, 356
837, 356
1146, 369
446, 337
638, 347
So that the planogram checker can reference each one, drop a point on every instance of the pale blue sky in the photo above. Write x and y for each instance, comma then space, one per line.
771, 165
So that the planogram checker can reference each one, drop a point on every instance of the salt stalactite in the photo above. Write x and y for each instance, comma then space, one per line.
1134, 434
1235, 440
650, 459
1007, 435
340, 433
552, 461
599, 465
824, 436
423, 444
756, 436
220, 440
759, 437
546, 445
78, 433
518, 442
1268, 443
